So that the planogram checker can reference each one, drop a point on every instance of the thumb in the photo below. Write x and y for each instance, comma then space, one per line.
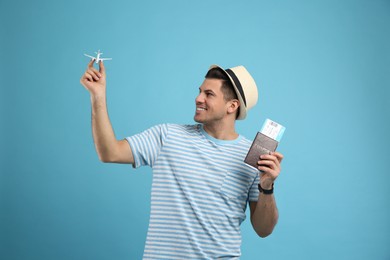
102, 69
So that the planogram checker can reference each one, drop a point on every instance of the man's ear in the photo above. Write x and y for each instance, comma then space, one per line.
234, 104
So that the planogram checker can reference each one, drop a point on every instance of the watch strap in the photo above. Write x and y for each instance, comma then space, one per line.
266, 191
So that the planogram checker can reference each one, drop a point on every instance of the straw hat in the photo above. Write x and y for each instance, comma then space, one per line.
245, 87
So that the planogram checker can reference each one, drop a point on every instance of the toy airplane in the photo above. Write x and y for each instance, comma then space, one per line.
97, 58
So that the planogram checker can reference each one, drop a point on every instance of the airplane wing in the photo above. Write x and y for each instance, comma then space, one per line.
106, 58
90, 56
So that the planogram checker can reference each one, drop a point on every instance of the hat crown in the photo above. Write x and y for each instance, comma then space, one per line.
244, 86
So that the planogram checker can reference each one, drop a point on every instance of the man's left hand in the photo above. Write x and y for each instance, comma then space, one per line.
269, 166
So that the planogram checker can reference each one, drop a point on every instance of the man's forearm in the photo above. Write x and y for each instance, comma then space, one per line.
102, 131
265, 215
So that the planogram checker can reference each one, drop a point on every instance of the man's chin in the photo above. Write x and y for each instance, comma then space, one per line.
198, 120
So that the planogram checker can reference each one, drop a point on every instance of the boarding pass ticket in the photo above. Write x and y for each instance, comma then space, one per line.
273, 130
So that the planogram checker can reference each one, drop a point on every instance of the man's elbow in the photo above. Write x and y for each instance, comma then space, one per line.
115, 158
263, 230
105, 158
118, 152
264, 233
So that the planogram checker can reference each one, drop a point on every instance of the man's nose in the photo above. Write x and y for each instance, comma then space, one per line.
199, 98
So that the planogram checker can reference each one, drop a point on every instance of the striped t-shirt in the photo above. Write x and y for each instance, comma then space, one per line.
200, 191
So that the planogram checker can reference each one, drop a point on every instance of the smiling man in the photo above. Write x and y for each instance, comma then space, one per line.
201, 185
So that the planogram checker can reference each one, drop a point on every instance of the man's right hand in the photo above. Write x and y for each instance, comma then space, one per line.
93, 80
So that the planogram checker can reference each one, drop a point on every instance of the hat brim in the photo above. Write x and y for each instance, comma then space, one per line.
242, 107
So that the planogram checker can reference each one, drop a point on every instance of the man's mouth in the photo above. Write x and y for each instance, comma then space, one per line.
201, 109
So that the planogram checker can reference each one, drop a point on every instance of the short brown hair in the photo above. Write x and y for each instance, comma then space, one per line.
227, 87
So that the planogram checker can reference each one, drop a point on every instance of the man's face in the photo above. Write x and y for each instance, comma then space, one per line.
211, 106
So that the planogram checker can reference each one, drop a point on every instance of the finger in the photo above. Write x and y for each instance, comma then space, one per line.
93, 74
268, 163
87, 77
102, 69
96, 72
90, 64
270, 157
279, 156
276, 160
265, 170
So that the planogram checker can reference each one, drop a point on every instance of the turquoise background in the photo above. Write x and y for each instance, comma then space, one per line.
323, 71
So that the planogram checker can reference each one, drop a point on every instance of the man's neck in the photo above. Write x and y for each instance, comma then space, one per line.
221, 131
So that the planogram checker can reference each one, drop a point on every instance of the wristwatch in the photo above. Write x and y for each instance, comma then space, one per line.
266, 191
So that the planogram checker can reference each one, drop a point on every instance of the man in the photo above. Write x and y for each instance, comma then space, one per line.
201, 185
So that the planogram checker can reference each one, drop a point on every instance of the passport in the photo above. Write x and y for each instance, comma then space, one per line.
265, 142
262, 144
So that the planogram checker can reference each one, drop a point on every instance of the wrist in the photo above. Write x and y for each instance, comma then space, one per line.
97, 98
266, 189
267, 186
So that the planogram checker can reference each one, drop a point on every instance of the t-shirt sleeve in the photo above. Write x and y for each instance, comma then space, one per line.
254, 190
147, 145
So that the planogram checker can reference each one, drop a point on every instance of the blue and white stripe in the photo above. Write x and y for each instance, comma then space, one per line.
200, 191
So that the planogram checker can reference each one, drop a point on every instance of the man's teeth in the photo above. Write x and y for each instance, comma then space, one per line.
200, 108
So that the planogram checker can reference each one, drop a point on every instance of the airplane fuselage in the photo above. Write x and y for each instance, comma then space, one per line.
97, 59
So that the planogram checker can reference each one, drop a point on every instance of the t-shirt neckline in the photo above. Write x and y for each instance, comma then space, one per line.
218, 141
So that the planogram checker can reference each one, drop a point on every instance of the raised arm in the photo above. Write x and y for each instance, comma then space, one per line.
264, 213
108, 148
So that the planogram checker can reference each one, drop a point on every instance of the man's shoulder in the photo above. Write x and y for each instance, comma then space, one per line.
185, 128
245, 140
